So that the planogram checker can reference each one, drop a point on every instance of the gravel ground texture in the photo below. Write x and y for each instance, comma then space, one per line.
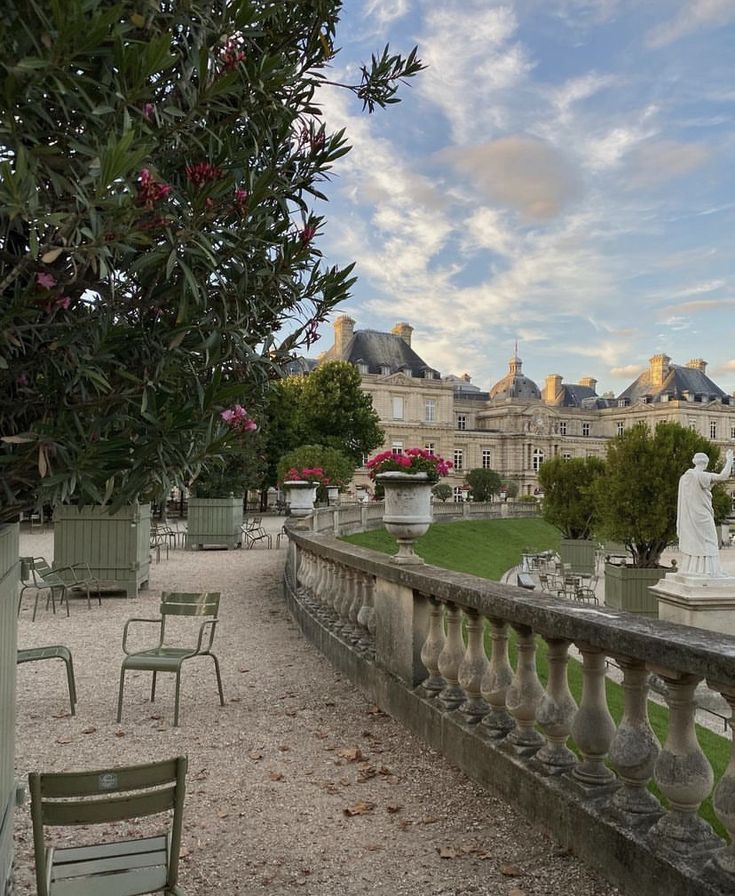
298, 784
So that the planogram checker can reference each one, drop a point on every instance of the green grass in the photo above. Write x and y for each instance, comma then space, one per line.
488, 548
485, 548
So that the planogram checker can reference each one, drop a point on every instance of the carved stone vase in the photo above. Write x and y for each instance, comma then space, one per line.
407, 514
300, 496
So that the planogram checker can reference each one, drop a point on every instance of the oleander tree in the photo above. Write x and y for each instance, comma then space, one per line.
162, 165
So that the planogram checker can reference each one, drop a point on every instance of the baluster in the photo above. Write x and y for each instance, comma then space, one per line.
432, 648
306, 571
635, 747
593, 727
327, 589
371, 621
450, 658
353, 610
724, 796
498, 722
472, 669
683, 773
524, 694
556, 711
346, 582
341, 595
364, 610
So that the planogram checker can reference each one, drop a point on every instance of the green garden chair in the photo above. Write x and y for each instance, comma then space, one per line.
42, 576
164, 657
113, 868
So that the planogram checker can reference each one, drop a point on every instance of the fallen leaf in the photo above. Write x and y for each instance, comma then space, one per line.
184, 852
255, 756
89, 730
291, 713
384, 771
60, 715
119, 733
329, 703
351, 754
330, 787
235, 699
510, 871
241, 669
359, 808
63, 740
223, 814
365, 774
428, 819
155, 715
373, 847
514, 891
275, 776
391, 809
202, 775
284, 748
447, 852
375, 711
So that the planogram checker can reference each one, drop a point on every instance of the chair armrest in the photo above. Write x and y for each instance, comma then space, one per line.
158, 621
207, 622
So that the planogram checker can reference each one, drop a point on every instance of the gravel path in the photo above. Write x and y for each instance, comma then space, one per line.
297, 784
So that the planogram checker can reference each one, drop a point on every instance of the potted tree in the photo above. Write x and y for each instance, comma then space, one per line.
636, 499
569, 504
310, 472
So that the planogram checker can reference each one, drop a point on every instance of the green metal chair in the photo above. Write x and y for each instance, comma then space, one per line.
121, 868
52, 652
165, 658
43, 577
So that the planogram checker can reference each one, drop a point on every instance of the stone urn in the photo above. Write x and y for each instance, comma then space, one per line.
332, 495
407, 514
300, 496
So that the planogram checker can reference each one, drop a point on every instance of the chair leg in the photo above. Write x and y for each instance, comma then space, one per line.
219, 680
153, 688
35, 606
120, 694
71, 683
176, 702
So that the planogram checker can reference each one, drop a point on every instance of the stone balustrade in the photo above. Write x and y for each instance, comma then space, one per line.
414, 639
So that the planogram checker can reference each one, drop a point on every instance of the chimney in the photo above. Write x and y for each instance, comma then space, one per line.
552, 387
404, 331
588, 381
697, 364
659, 369
344, 328
466, 378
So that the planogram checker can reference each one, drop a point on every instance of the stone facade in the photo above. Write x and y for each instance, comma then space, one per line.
516, 425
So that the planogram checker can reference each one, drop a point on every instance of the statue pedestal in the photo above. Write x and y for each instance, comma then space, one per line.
702, 601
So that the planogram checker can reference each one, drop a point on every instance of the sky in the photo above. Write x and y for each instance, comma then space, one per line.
561, 174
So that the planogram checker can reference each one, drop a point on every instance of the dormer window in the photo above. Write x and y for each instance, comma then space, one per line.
362, 368
385, 370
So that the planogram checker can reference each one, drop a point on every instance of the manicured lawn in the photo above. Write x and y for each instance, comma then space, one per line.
485, 548
488, 548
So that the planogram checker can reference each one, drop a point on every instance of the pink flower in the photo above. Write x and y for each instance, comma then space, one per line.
310, 333
148, 111
202, 172
63, 302
23, 380
47, 281
307, 234
238, 419
149, 190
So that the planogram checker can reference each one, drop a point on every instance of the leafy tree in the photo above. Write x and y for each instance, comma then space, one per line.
509, 487
637, 494
442, 491
721, 503
483, 483
335, 411
241, 469
280, 423
160, 169
569, 502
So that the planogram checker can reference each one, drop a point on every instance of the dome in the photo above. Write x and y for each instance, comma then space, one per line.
514, 384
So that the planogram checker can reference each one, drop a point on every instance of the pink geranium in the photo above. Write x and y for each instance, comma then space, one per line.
414, 460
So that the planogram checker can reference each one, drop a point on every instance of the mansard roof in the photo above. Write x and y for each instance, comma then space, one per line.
576, 396
379, 350
678, 381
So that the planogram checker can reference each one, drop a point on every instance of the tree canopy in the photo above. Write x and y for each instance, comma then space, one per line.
161, 164
569, 500
638, 492
483, 483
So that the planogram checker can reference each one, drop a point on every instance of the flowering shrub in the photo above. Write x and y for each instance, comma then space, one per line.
307, 474
238, 419
413, 460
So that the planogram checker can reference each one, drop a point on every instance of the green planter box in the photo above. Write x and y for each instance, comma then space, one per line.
116, 546
579, 553
9, 571
626, 588
214, 521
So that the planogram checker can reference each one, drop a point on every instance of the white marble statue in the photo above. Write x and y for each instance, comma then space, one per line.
695, 521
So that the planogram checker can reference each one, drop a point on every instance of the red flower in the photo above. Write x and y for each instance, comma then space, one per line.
149, 190
307, 234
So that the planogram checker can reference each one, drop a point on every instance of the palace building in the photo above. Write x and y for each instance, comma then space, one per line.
517, 425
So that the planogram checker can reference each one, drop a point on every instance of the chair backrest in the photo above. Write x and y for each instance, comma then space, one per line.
177, 603
42, 570
109, 795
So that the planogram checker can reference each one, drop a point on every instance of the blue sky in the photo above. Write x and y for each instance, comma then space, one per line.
561, 174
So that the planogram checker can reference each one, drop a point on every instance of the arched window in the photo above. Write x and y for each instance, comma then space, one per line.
538, 459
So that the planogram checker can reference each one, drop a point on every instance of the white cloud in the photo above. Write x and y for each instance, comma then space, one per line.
472, 62
578, 89
693, 15
382, 13
627, 370
659, 161
527, 175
